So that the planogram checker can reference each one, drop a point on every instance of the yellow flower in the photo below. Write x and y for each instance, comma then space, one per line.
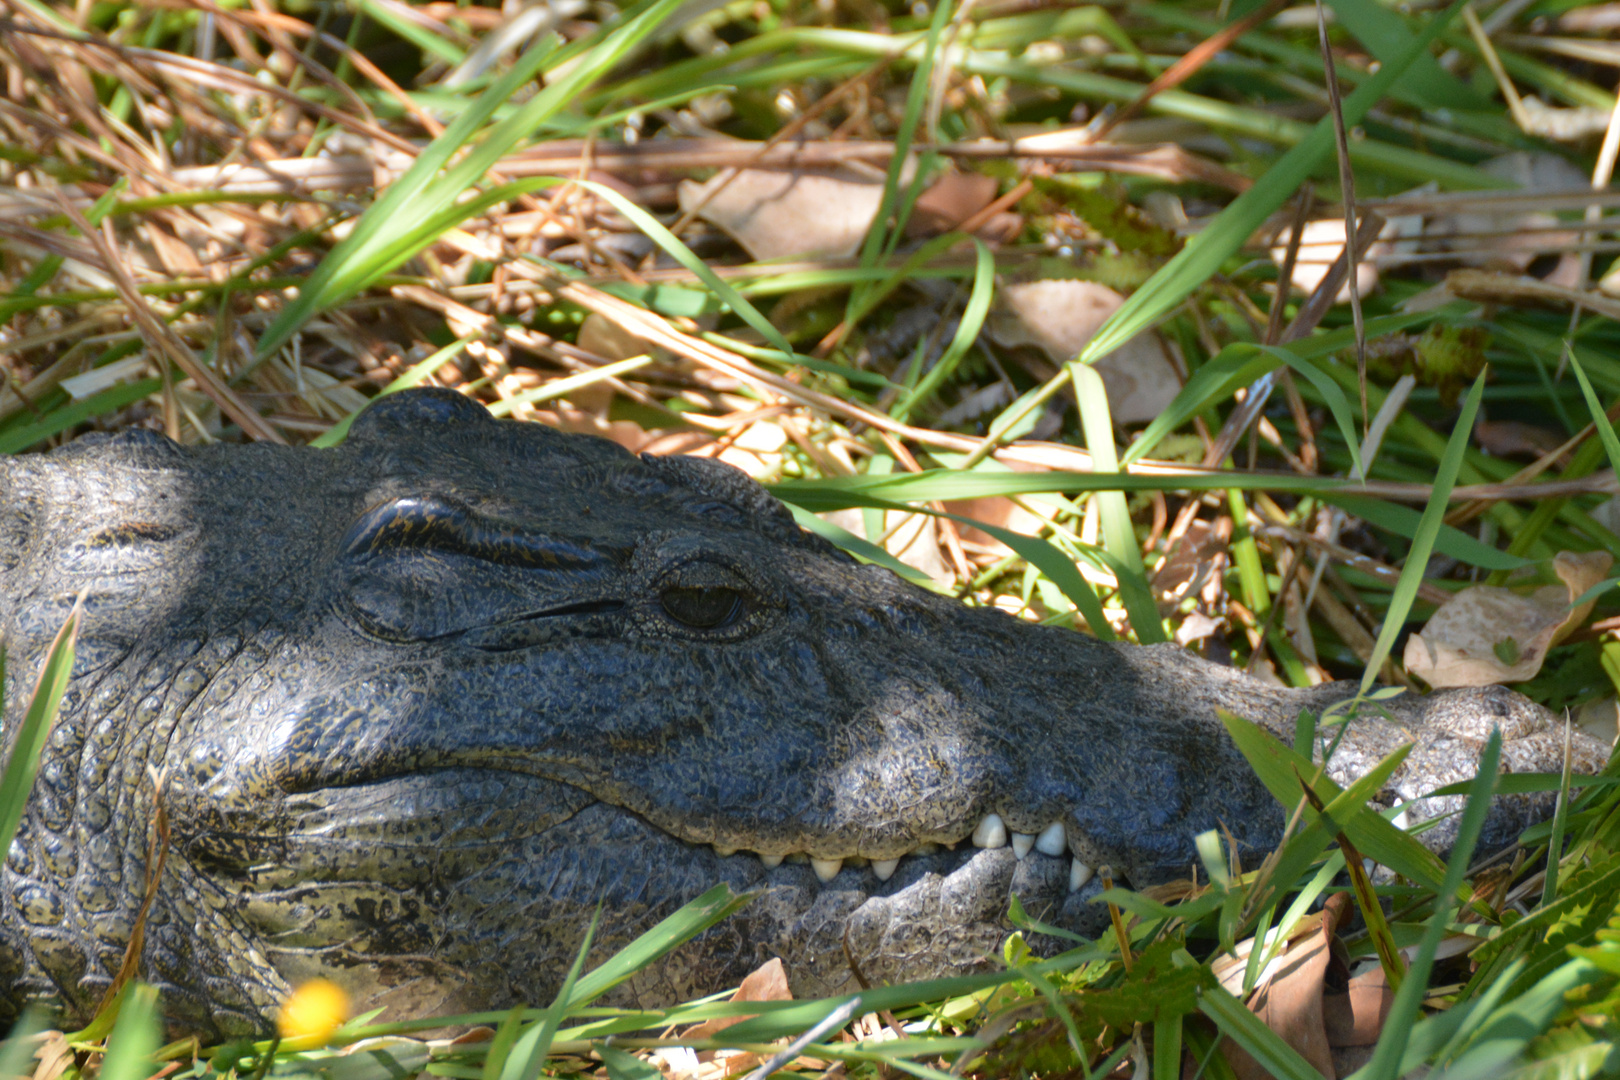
313, 1011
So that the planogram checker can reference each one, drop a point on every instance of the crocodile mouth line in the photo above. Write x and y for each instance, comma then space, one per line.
991, 832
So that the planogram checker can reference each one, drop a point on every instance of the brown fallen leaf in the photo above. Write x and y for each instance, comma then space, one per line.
949, 201
787, 213
1488, 634
768, 982
1289, 995
1356, 1016
1320, 244
1511, 240
1060, 315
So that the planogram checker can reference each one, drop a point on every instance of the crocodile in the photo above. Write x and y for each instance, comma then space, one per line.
409, 709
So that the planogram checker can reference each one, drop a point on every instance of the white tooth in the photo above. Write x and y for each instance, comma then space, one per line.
884, 868
771, 861
724, 852
1079, 874
1053, 840
991, 833
826, 869
1401, 821
1022, 842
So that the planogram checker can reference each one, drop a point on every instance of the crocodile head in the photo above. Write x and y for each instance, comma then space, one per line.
411, 708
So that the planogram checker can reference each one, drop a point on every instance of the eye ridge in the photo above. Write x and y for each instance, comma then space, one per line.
703, 607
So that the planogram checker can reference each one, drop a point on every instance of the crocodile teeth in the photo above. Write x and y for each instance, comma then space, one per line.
1079, 874
724, 852
826, 869
1401, 821
1022, 843
991, 833
771, 861
1053, 840
884, 868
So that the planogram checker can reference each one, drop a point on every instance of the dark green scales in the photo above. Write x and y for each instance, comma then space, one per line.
418, 703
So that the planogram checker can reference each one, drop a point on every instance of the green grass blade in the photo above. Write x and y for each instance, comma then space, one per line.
533, 1047
562, 387
1600, 419
1041, 554
134, 1038
623, 1066
500, 1047
672, 246
22, 766
414, 32
1408, 1003
393, 228
1279, 768
1417, 559
1119, 533
1334, 398
691, 920
1240, 364
17, 1051
967, 332
859, 547
1201, 259
74, 413
1405, 521
878, 239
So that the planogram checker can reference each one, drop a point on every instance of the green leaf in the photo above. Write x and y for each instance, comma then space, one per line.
1600, 418
967, 331
134, 1038
404, 219
1119, 532
691, 920
623, 1066
22, 765
1201, 259
1417, 558
1157, 988
1387, 1058
1279, 768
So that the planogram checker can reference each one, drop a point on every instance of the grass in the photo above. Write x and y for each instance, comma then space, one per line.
197, 241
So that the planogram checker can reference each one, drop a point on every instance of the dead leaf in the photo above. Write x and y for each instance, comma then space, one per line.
1600, 719
609, 340
1356, 1017
1290, 1004
788, 213
1320, 245
1060, 315
1488, 634
949, 201
54, 1055
1289, 993
1506, 438
1512, 239
768, 982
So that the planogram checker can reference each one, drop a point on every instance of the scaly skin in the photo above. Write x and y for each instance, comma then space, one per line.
416, 704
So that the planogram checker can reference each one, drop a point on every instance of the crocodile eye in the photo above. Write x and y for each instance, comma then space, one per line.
703, 609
